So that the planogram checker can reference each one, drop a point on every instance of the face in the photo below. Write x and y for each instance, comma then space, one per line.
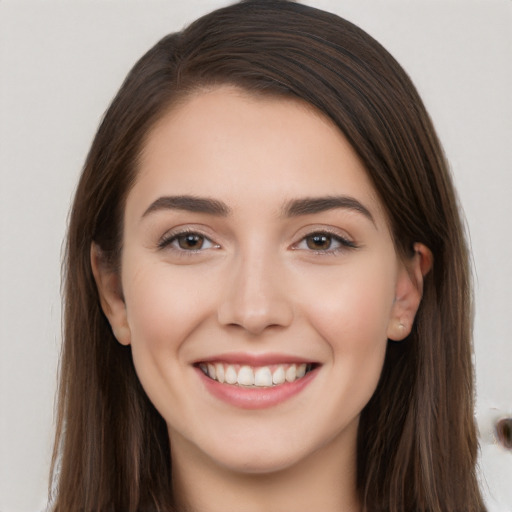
259, 281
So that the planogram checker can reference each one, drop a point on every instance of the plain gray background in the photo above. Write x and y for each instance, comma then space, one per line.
60, 65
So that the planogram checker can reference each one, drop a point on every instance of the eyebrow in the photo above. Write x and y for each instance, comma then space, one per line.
312, 205
190, 204
293, 208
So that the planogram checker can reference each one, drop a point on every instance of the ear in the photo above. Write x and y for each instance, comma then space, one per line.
408, 292
108, 283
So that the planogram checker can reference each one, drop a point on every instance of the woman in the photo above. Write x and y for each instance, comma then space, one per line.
267, 291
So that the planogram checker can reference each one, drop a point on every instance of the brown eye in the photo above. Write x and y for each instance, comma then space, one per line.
319, 242
187, 242
323, 242
190, 241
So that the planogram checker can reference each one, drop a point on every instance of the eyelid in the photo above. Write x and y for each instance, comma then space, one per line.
165, 242
344, 240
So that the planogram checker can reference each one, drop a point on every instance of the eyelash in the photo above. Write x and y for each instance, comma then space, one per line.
344, 243
168, 239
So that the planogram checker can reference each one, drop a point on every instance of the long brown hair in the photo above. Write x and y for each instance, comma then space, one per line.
417, 444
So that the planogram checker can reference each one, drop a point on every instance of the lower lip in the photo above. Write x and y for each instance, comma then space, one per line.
256, 398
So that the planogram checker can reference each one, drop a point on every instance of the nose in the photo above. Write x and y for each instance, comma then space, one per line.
256, 297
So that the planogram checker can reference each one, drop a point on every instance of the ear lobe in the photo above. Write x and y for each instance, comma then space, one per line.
110, 294
408, 293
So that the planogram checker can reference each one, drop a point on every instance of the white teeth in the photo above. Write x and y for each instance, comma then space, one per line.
245, 376
219, 370
249, 376
291, 373
230, 375
279, 376
263, 377
211, 371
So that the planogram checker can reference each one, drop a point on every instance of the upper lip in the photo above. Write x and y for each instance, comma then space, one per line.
254, 359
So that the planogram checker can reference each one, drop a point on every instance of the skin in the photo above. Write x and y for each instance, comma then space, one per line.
258, 285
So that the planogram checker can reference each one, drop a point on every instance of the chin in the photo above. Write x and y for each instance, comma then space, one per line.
274, 448
261, 461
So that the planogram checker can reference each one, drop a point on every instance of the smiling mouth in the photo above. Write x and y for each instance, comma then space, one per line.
255, 376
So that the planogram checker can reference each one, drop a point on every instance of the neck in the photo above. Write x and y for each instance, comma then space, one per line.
325, 480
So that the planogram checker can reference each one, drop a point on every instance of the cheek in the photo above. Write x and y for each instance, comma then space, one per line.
358, 320
355, 330
355, 306
163, 310
352, 318
162, 306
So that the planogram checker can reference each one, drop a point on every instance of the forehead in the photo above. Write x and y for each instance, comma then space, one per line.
234, 145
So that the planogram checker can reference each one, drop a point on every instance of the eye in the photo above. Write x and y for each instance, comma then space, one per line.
324, 242
187, 241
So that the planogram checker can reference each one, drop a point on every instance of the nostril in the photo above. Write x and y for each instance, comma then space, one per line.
257, 315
